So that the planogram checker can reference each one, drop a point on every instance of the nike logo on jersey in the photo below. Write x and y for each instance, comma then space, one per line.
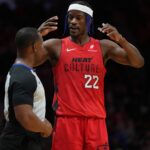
70, 49
91, 49
91, 46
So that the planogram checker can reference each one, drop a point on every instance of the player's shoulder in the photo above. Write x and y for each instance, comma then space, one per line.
52, 41
52, 45
107, 43
107, 46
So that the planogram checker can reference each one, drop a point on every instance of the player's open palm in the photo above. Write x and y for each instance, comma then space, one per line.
48, 26
110, 31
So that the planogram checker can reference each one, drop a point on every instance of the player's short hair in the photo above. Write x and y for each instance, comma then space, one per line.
26, 36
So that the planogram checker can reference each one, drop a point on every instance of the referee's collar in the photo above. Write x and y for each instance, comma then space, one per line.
19, 64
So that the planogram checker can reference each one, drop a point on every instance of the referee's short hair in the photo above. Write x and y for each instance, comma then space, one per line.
26, 37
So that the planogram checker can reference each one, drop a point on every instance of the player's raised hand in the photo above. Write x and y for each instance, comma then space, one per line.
48, 26
110, 31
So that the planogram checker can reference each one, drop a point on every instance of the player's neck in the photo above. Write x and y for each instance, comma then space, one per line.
81, 40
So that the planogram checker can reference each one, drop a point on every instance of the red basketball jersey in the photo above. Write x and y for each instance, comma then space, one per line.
79, 80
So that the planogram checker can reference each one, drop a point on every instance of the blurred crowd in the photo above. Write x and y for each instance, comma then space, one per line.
126, 89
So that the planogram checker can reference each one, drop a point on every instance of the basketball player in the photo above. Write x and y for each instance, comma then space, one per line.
25, 97
79, 70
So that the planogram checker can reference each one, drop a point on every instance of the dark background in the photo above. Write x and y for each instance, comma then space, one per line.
126, 89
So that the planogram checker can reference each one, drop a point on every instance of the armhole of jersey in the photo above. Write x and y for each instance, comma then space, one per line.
61, 52
35, 76
100, 54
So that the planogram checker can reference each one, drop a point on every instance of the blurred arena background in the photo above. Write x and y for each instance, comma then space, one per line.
127, 90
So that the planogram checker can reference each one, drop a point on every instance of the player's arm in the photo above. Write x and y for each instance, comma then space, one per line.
52, 47
46, 27
119, 49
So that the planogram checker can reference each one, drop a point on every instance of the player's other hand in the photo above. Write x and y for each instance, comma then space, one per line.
110, 31
48, 26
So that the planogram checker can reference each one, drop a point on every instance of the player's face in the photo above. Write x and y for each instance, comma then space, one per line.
76, 23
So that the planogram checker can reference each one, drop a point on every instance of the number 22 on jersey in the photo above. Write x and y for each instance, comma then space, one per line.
91, 81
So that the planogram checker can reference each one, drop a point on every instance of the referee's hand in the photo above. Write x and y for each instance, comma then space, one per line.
48, 129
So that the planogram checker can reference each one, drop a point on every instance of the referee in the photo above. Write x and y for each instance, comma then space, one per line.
24, 104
